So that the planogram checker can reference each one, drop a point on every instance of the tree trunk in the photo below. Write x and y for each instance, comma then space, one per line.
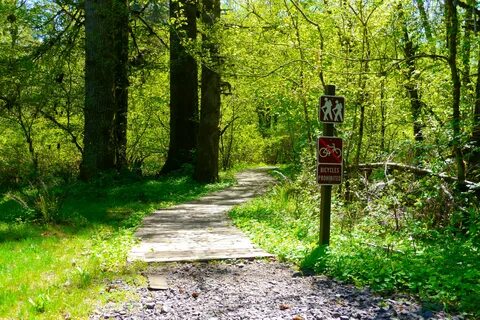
364, 68
452, 35
474, 154
206, 168
424, 18
410, 85
99, 151
412, 89
183, 86
301, 84
121, 82
383, 111
466, 47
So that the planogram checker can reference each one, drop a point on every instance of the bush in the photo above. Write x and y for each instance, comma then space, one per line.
39, 202
395, 235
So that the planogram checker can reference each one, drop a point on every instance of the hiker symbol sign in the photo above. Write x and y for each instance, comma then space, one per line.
332, 109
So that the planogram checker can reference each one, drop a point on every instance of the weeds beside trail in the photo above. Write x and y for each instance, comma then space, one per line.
403, 237
61, 246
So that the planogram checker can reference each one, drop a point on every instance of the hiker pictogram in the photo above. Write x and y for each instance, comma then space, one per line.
327, 110
332, 109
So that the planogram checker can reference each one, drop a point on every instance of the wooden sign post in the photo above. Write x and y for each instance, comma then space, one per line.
329, 156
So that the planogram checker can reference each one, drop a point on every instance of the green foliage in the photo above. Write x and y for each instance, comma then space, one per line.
39, 203
283, 222
277, 56
39, 303
397, 236
64, 268
443, 270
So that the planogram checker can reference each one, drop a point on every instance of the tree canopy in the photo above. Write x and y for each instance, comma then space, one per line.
407, 70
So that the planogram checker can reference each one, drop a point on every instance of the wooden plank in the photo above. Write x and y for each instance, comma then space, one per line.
157, 282
201, 230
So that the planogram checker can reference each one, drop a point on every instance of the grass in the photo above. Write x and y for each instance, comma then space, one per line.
61, 270
440, 266
51, 274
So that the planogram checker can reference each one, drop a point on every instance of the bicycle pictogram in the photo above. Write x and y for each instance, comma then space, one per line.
330, 150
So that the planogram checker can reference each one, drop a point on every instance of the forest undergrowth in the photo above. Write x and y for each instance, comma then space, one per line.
62, 246
397, 233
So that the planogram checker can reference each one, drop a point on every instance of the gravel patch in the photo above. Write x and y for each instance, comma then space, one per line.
260, 289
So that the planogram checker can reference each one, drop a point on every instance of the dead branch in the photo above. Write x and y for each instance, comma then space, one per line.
412, 169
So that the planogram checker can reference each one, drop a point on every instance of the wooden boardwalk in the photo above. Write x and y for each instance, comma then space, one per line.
201, 229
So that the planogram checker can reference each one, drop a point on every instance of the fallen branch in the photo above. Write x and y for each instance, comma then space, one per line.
412, 169
388, 249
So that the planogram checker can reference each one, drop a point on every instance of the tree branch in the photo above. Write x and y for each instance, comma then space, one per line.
47, 45
412, 169
64, 128
228, 125
152, 31
265, 75
468, 7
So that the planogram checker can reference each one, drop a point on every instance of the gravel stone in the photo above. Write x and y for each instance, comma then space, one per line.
260, 289
150, 305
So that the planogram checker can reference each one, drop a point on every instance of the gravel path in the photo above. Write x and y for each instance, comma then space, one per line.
266, 289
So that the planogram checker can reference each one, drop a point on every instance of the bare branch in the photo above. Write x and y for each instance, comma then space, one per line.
65, 128
265, 75
412, 169
152, 31
228, 125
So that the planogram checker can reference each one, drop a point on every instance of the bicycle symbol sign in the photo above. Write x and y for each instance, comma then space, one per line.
330, 150
329, 160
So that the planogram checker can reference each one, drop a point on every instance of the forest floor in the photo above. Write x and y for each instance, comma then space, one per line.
254, 289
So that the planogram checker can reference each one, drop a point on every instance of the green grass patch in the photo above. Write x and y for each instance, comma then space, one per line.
61, 269
441, 267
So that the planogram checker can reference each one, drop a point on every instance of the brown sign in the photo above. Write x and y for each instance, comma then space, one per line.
329, 150
329, 173
329, 160
332, 109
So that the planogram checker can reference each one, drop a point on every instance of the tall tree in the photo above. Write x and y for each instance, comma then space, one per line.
361, 13
105, 86
424, 18
410, 52
474, 155
183, 85
452, 40
120, 11
206, 167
